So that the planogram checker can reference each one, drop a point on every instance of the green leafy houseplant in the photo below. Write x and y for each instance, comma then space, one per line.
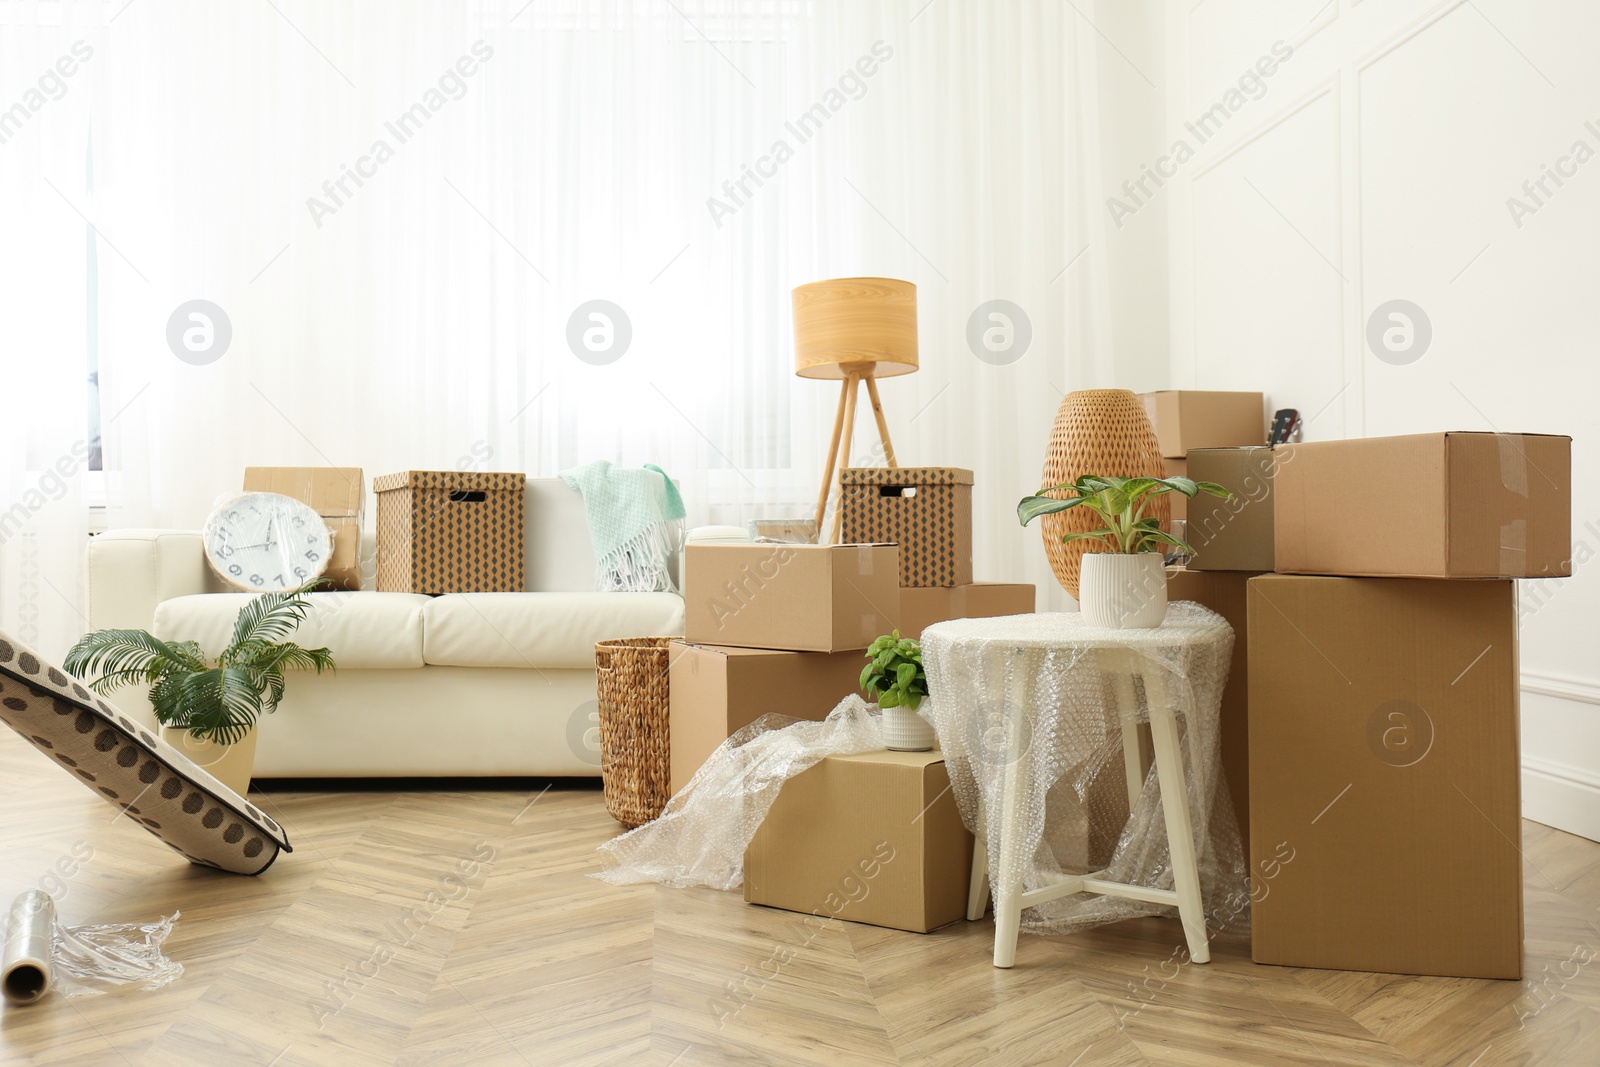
895, 672
1120, 504
217, 702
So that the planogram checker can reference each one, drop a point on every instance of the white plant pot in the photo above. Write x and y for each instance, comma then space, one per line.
905, 730
1119, 591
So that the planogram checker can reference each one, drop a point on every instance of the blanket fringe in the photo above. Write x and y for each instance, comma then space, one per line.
642, 564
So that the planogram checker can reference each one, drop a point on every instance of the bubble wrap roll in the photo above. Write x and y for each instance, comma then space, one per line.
25, 973
1038, 701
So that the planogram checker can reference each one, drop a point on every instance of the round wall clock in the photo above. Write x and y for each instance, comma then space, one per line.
267, 542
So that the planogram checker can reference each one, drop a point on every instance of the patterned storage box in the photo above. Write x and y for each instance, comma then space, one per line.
450, 532
927, 511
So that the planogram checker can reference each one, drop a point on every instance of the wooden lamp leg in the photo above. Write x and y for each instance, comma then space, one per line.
883, 426
833, 457
851, 388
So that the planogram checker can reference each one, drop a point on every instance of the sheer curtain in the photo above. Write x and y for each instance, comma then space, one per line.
426, 229
46, 247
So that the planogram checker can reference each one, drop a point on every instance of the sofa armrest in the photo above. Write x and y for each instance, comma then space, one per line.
131, 571
717, 535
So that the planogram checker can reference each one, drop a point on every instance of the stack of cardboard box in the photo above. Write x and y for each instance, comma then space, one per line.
872, 838
1378, 670
1189, 418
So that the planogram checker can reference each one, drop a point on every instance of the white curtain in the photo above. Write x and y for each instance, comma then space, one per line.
400, 207
46, 334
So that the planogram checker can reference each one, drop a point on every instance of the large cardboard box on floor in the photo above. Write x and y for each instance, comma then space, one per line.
1385, 814
799, 598
338, 494
922, 607
1236, 534
1225, 592
1191, 418
871, 838
714, 691
1436, 505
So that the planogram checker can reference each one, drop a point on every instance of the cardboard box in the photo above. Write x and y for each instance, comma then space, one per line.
451, 532
1188, 418
872, 838
1385, 817
1438, 505
338, 494
1177, 468
927, 511
714, 691
1225, 592
797, 598
1236, 534
922, 607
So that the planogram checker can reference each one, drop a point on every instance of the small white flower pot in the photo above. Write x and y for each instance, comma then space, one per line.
905, 730
1119, 591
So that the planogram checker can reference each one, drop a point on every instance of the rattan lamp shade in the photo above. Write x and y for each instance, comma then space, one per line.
865, 326
1097, 431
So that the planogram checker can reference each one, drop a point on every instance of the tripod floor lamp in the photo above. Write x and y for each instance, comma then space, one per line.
853, 330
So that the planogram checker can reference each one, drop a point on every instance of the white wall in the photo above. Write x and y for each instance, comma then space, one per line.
1377, 165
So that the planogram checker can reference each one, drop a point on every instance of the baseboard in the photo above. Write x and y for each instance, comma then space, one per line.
1556, 793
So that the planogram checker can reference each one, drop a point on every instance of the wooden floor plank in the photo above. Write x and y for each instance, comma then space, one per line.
529, 961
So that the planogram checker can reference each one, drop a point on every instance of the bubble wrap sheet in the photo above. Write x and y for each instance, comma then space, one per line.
1045, 695
699, 840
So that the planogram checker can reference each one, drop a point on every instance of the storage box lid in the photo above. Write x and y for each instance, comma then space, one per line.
905, 476
481, 481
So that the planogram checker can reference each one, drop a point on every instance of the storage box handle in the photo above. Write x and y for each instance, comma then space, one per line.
902, 491
468, 496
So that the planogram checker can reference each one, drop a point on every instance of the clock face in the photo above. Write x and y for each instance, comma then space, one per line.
267, 543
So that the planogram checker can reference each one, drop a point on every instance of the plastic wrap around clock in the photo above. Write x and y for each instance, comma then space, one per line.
267, 542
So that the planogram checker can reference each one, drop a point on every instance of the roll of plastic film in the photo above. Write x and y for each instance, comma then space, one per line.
25, 972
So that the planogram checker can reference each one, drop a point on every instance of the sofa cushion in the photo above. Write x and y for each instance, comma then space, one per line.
540, 629
364, 631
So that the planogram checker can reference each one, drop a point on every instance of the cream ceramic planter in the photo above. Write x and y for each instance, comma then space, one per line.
232, 765
905, 730
1119, 591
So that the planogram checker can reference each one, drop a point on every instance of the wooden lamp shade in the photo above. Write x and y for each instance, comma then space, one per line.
862, 326
853, 330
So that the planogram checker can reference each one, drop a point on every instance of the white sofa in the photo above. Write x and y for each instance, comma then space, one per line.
471, 684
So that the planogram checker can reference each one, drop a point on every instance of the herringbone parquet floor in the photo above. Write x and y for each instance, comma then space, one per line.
456, 926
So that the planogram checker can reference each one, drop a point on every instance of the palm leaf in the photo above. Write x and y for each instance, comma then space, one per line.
124, 657
268, 617
219, 705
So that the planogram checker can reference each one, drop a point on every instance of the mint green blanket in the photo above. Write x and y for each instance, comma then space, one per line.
635, 523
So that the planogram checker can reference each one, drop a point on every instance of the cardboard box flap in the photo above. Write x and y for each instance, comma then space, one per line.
333, 492
906, 476
474, 481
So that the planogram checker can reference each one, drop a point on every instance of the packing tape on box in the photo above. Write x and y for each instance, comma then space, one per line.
1513, 546
864, 557
1513, 464
25, 974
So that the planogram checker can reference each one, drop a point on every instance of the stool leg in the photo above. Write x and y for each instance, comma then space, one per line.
978, 891
1132, 757
1007, 882
1175, 805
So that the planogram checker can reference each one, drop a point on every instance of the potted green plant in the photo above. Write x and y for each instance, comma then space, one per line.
894, 675
209, 709
1125, 586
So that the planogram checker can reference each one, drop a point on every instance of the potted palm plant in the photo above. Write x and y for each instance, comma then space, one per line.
895, 676
1125, 586
209, 709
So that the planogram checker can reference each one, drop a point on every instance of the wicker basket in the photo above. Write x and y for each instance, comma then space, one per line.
635, 762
